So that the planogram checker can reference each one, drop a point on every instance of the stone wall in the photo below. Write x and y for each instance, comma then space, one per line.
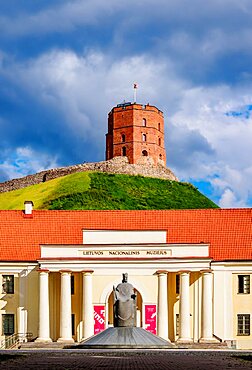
115, 165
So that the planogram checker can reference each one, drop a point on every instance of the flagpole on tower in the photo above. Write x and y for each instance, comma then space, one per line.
135, 92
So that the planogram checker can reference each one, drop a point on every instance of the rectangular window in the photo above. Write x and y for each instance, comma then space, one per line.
8, 324
8, 284
177, 283
243, 324
72, 284
73, 324
244, 284
177, 324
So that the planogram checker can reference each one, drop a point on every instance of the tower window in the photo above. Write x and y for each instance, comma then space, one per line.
144, 137
123, 138
144, 122
159, 141
124, 151
160, 157
145, 153
159, 126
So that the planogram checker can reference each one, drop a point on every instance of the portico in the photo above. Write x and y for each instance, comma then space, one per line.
76, 281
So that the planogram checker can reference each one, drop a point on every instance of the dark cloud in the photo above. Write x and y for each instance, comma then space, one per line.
184, 147
208, 44
65, 64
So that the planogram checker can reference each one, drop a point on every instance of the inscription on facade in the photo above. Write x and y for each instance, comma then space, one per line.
135, 253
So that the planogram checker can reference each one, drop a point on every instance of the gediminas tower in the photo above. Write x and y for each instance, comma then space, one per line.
137, 132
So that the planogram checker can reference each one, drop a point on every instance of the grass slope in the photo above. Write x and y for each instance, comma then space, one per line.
46, 191
94, 190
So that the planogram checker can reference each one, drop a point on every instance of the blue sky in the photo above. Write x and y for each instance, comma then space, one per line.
65, 64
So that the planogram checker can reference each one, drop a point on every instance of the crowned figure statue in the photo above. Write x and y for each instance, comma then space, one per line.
124, 304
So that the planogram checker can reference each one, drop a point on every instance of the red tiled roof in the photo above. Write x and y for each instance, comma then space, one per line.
227, 230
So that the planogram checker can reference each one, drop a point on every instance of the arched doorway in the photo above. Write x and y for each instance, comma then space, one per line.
110, 304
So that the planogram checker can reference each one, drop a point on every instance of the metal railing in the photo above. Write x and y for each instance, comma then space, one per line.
11, 341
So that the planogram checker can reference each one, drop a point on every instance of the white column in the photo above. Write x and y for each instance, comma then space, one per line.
65, 308
196, 311
162, 307
207, 307
22, 308
184, 308
44, 323
87, 309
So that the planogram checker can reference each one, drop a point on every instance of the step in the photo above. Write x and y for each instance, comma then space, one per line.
35, 345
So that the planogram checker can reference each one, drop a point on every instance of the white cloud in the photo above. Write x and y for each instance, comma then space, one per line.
84, 87
201, 140
229, 200
229, 166
25, 161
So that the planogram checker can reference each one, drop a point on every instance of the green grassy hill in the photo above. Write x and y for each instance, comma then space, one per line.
96, 190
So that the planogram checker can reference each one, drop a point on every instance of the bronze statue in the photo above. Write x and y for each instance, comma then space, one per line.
124, 304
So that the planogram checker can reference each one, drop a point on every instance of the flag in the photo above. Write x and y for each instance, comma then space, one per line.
135, 86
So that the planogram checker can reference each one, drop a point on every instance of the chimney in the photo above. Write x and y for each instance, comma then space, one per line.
28, 207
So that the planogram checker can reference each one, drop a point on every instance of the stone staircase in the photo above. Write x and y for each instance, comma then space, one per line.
56, 345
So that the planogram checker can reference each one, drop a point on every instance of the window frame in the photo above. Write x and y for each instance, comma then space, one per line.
8, 287
177, 326
73, 323
177, 284
72, 285
5, 317
243, 327
243, 284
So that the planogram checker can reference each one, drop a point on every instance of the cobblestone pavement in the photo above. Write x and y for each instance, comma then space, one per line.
125, 359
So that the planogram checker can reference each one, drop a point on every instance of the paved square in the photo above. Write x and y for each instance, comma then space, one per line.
125, 359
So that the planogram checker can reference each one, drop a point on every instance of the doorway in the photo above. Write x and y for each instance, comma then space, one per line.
110, 313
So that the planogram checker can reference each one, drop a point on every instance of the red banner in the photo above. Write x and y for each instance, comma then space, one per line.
99, 319
151, 318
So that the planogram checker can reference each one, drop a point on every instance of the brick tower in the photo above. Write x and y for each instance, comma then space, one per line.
137, 132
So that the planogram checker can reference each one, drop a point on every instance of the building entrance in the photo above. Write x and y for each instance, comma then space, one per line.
109, 310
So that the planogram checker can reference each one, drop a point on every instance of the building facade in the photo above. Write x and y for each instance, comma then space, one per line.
191, 270
137, 132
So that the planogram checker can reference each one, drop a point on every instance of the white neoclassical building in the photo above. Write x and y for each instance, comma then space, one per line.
191, 270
